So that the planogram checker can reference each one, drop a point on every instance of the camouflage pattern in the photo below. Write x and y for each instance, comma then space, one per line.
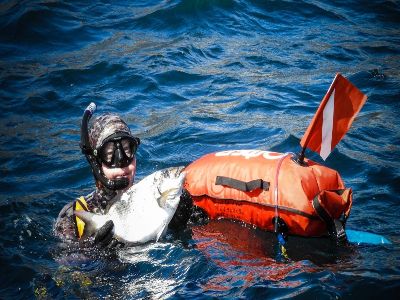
105, 125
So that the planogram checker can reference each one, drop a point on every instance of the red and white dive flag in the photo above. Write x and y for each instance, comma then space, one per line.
334, 116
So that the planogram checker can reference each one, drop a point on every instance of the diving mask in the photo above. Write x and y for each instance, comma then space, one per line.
118, 150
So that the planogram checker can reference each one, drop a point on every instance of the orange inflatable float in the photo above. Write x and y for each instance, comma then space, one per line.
286, 193
257, 186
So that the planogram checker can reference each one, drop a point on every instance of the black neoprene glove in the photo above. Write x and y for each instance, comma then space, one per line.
183, 212
104, 236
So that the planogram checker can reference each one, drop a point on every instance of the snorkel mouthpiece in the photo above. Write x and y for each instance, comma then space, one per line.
87, 150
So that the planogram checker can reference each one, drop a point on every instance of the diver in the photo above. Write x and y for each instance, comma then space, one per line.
110, 148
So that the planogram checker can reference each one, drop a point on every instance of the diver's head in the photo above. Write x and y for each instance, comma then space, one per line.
114, 147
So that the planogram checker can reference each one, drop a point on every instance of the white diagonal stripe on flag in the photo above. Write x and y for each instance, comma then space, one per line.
334, 116
327, 127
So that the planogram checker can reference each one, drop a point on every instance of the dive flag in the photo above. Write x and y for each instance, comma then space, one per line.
334, 116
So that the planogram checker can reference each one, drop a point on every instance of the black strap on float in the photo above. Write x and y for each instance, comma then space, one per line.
335, 226
242, 185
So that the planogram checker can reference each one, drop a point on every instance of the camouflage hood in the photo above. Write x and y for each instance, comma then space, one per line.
105, 125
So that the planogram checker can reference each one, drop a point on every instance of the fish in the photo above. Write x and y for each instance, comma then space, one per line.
143, 212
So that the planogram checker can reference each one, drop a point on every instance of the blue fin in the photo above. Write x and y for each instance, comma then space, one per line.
363, 237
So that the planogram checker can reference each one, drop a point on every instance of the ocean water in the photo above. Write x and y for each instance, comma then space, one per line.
193, 77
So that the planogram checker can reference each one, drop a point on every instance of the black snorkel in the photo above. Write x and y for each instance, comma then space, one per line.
90, 154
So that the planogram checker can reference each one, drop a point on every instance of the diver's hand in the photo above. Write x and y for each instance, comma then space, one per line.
104, 236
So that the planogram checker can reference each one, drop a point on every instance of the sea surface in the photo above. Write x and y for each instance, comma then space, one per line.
193, 77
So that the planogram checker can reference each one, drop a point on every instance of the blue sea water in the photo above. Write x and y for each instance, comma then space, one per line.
193, 77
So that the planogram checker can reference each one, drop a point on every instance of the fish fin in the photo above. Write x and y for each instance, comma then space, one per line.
92, 222
174, 186
162, 199
161, 233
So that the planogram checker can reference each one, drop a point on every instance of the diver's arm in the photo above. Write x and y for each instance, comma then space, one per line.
64, 227
187, 213
182, 213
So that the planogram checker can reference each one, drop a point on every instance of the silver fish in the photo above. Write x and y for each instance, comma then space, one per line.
144, 210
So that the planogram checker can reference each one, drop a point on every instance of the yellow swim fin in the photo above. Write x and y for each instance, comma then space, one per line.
80, 204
